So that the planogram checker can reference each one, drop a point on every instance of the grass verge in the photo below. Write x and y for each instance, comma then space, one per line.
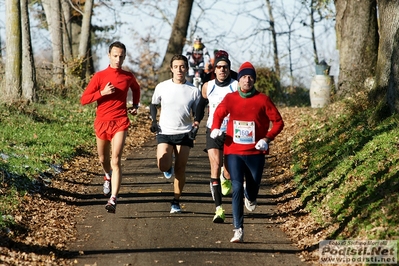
347, 173
35, 140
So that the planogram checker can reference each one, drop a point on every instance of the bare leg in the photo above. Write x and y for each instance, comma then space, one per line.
214, 156
118, 143
104, 153
164, 156
182, 153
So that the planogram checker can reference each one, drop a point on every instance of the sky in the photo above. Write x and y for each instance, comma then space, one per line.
237, 26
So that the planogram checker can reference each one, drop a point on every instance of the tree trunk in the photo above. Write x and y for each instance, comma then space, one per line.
274, 38
275, 49
75, 36
177, 37
76, 24
28, 64
312, 24
387, 78
1, 49
52, 8
85, 34
357, 40
66, 29
85, 38
13, 64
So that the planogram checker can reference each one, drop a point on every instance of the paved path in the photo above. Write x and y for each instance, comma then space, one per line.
143, 232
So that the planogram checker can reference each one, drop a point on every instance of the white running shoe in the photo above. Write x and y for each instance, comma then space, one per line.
238, 236
250, 205
107, 186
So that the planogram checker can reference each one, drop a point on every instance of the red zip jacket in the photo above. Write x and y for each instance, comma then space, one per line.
111, 107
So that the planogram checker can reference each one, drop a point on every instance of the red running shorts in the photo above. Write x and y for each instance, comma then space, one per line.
106, 130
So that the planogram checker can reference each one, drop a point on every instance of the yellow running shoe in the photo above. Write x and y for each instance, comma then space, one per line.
225, 183
219, 216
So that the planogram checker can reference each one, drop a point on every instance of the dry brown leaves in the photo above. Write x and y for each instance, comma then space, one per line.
46, 219
299, 225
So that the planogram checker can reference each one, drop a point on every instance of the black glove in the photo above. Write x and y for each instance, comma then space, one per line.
220, 139
193, 133
154, 127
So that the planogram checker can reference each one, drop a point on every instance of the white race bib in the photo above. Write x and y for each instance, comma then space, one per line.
244, 132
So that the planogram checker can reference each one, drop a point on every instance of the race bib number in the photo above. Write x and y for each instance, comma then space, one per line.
244, 132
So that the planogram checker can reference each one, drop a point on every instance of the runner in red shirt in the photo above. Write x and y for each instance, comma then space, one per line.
109, 88
248, 135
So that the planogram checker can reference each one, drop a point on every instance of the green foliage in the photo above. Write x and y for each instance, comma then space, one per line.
8, 201
297, 96
268, 83
33, 137
43, 133
347, 172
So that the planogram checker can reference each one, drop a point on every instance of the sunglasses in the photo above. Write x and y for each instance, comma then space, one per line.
224, 67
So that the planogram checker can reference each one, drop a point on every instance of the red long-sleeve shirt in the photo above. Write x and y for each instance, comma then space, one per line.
243, 112
113, 106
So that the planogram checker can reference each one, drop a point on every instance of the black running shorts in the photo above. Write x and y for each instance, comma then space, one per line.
177, 139
217, 143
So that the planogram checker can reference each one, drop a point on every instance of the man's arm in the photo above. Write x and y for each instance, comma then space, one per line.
200, 112
203, 102
153, 112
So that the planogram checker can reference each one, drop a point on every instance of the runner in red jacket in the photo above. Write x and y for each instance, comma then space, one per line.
109, 88
247, 139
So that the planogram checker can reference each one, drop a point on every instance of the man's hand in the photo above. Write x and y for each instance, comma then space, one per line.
133, 110
108, 89
154, 127
193, 132
261, 145
216, 133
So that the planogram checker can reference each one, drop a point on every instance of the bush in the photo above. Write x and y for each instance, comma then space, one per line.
297, 96
268, 83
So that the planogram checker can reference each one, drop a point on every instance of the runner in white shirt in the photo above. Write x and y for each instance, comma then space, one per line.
213, 92
178, 99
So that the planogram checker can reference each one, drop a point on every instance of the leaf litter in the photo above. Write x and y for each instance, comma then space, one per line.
45, 222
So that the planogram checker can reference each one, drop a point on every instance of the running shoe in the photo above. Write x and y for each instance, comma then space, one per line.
175, 207
225, 183
238, 236
111, 205
250, 205
107, 186
219, 216
169, 173
226, 187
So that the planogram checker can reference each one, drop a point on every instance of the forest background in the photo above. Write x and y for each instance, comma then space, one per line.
243, 28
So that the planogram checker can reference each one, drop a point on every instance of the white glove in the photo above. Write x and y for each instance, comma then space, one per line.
261, 145
216, 133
